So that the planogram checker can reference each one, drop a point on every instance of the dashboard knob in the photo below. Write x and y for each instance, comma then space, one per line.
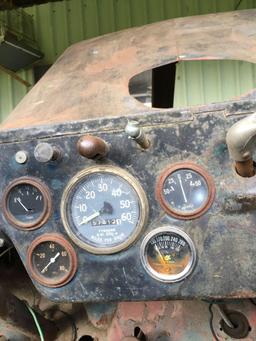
92, 147
45, 152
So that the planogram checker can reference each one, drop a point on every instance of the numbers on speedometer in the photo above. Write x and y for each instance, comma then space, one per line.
104, 209
185, 190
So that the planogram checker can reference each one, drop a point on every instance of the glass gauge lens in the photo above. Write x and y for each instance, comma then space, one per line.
106, 209
185, 190
52, 260
168, 254
27, 203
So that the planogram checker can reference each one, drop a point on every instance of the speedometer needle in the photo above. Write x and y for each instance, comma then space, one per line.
52, 260
160, 255
91, 217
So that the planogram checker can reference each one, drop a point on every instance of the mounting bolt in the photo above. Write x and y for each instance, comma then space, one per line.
21, 157
44, 152
135, 132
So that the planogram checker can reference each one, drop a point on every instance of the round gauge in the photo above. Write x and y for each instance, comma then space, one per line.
52, 260
168, 254
27, 203
104, 209
185, 190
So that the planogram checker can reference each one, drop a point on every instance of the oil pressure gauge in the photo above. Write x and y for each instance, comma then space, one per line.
27, 203
168, 254
185, 190
104, 209
52, 260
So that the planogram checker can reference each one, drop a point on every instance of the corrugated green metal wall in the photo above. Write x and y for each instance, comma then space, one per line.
58, 25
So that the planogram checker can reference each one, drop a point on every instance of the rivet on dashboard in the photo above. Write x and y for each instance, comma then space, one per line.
92, 147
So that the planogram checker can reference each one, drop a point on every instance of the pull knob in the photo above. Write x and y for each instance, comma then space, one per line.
92, 147
135, 132
45, 152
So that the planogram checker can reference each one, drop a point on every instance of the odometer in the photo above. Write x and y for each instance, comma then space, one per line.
104, 209
185, 190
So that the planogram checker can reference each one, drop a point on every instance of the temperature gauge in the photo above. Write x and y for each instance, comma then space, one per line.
185, 190
52, 260
168, 254
27, 203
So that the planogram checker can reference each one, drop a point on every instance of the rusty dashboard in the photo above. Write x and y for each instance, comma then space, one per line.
97, 216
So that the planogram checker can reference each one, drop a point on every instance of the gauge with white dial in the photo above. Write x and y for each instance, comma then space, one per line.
104, 209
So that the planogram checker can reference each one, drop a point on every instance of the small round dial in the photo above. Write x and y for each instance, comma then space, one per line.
27, 203
185, 190
52, 260
104, 209
168, 254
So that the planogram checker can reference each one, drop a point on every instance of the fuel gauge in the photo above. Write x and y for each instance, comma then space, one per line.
168, 254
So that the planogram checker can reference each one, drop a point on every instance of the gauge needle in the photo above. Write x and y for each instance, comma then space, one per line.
160, 255
107, 208
52, 260
25, 208
181, 186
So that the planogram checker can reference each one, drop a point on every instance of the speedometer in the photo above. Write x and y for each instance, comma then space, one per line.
104, 209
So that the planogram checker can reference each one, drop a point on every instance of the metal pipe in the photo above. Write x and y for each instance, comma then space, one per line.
241, 142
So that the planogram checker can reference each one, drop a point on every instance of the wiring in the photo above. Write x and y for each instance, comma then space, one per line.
74, 328
5, 251
211, 322
36, 323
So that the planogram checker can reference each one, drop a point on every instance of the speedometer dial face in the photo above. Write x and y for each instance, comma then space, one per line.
104, 209
168, 254
185, 190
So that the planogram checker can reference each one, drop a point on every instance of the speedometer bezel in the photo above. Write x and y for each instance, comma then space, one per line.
142, 200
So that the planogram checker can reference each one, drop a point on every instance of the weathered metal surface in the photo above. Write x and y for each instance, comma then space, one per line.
90, 80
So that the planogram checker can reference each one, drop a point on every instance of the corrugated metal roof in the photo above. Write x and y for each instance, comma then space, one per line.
58, 25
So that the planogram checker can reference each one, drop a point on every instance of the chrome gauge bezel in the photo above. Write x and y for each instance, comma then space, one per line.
142, 199
168, 278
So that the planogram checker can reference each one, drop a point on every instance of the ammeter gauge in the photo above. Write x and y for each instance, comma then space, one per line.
104, 209
27, 203
168, 254
52, 260
185, 190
